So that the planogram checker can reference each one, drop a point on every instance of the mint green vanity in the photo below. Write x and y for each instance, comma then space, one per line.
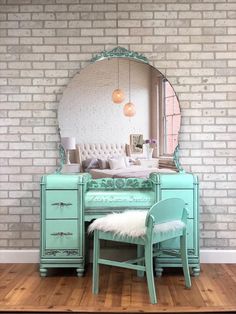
86, 114
68, 201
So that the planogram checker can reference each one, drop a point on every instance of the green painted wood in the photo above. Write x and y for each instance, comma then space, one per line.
120, 52
95, 198
121, 264
96, 254
119, 184
188, 190
184, 259
175, 244
176, 181
159, 213
62, 234
61, 205
64, 181
118, 199
188, 197
62, 222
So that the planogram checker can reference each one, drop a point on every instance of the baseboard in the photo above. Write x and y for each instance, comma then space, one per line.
218, 256
32, 256
19, 256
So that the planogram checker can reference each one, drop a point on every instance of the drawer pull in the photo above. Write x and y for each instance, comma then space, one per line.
61, 204
61, 234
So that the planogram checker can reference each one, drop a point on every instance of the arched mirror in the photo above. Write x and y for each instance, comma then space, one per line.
106, 127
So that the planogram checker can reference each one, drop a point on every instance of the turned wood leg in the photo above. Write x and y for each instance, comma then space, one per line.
80, 272
158, 271
43, 272
196, 271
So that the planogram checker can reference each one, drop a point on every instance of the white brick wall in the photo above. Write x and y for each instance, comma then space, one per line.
45, 42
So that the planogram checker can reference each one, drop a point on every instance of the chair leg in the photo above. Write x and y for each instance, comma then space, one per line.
140, 253
149, 272
184, 257
96, 254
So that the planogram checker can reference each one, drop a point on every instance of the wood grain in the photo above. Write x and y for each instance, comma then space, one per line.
22, 289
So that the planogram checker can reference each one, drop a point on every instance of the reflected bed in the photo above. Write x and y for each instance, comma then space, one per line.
96, 151
131, 172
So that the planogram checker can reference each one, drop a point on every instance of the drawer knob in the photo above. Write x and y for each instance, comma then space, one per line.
61, 234
61, 204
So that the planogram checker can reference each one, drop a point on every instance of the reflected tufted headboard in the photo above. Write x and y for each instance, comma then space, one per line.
100, 150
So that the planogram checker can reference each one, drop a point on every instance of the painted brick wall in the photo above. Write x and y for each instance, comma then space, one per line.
45, 42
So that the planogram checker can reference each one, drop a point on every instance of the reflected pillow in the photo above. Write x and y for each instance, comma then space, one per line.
125, 158
90, 163
117, 163
128, 162
103, 164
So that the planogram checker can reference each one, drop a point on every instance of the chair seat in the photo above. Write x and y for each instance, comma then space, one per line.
132, 223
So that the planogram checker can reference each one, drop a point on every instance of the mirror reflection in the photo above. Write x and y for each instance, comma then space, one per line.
118, 108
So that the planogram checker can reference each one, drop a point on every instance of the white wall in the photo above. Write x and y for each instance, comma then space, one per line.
87, 106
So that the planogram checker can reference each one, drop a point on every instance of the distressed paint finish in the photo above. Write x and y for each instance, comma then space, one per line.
96, 198
62, 222
120, 52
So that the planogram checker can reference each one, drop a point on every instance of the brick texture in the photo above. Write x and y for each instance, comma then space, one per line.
45, 42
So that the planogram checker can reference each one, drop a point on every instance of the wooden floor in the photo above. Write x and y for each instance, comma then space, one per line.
21, 289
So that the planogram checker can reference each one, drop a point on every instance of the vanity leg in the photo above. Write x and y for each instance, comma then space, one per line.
196, 271
43, 272
80, 272
158, 271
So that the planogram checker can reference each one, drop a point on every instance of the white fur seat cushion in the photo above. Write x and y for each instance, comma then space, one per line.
131, 223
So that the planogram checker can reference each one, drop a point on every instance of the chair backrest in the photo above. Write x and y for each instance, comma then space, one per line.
167, 210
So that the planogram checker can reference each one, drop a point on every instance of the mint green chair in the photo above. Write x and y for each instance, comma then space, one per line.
165, 220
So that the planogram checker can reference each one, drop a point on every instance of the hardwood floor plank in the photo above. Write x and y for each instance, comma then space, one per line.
210, 292
44, 290
22, 292
223, 283
12, 281
126, 289
22, 289
230, 269
139, 291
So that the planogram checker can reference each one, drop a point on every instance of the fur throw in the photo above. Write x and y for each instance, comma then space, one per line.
131, 223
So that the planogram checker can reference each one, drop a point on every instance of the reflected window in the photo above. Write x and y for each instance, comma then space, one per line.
171, 118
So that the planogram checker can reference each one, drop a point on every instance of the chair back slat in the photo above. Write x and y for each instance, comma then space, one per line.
167, 210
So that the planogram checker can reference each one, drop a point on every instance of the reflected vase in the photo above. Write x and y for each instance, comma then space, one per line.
149, 152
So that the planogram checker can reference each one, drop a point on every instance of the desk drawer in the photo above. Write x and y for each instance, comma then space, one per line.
62, 234
61, 204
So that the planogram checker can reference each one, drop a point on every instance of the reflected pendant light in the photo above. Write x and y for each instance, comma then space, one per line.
129, 108
118, 95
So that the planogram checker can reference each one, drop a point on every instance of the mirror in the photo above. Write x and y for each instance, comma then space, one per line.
87, 112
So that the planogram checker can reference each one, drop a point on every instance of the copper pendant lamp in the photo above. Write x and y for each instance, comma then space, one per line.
129, 108
118, 95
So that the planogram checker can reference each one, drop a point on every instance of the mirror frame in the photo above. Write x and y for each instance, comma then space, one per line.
119, 52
